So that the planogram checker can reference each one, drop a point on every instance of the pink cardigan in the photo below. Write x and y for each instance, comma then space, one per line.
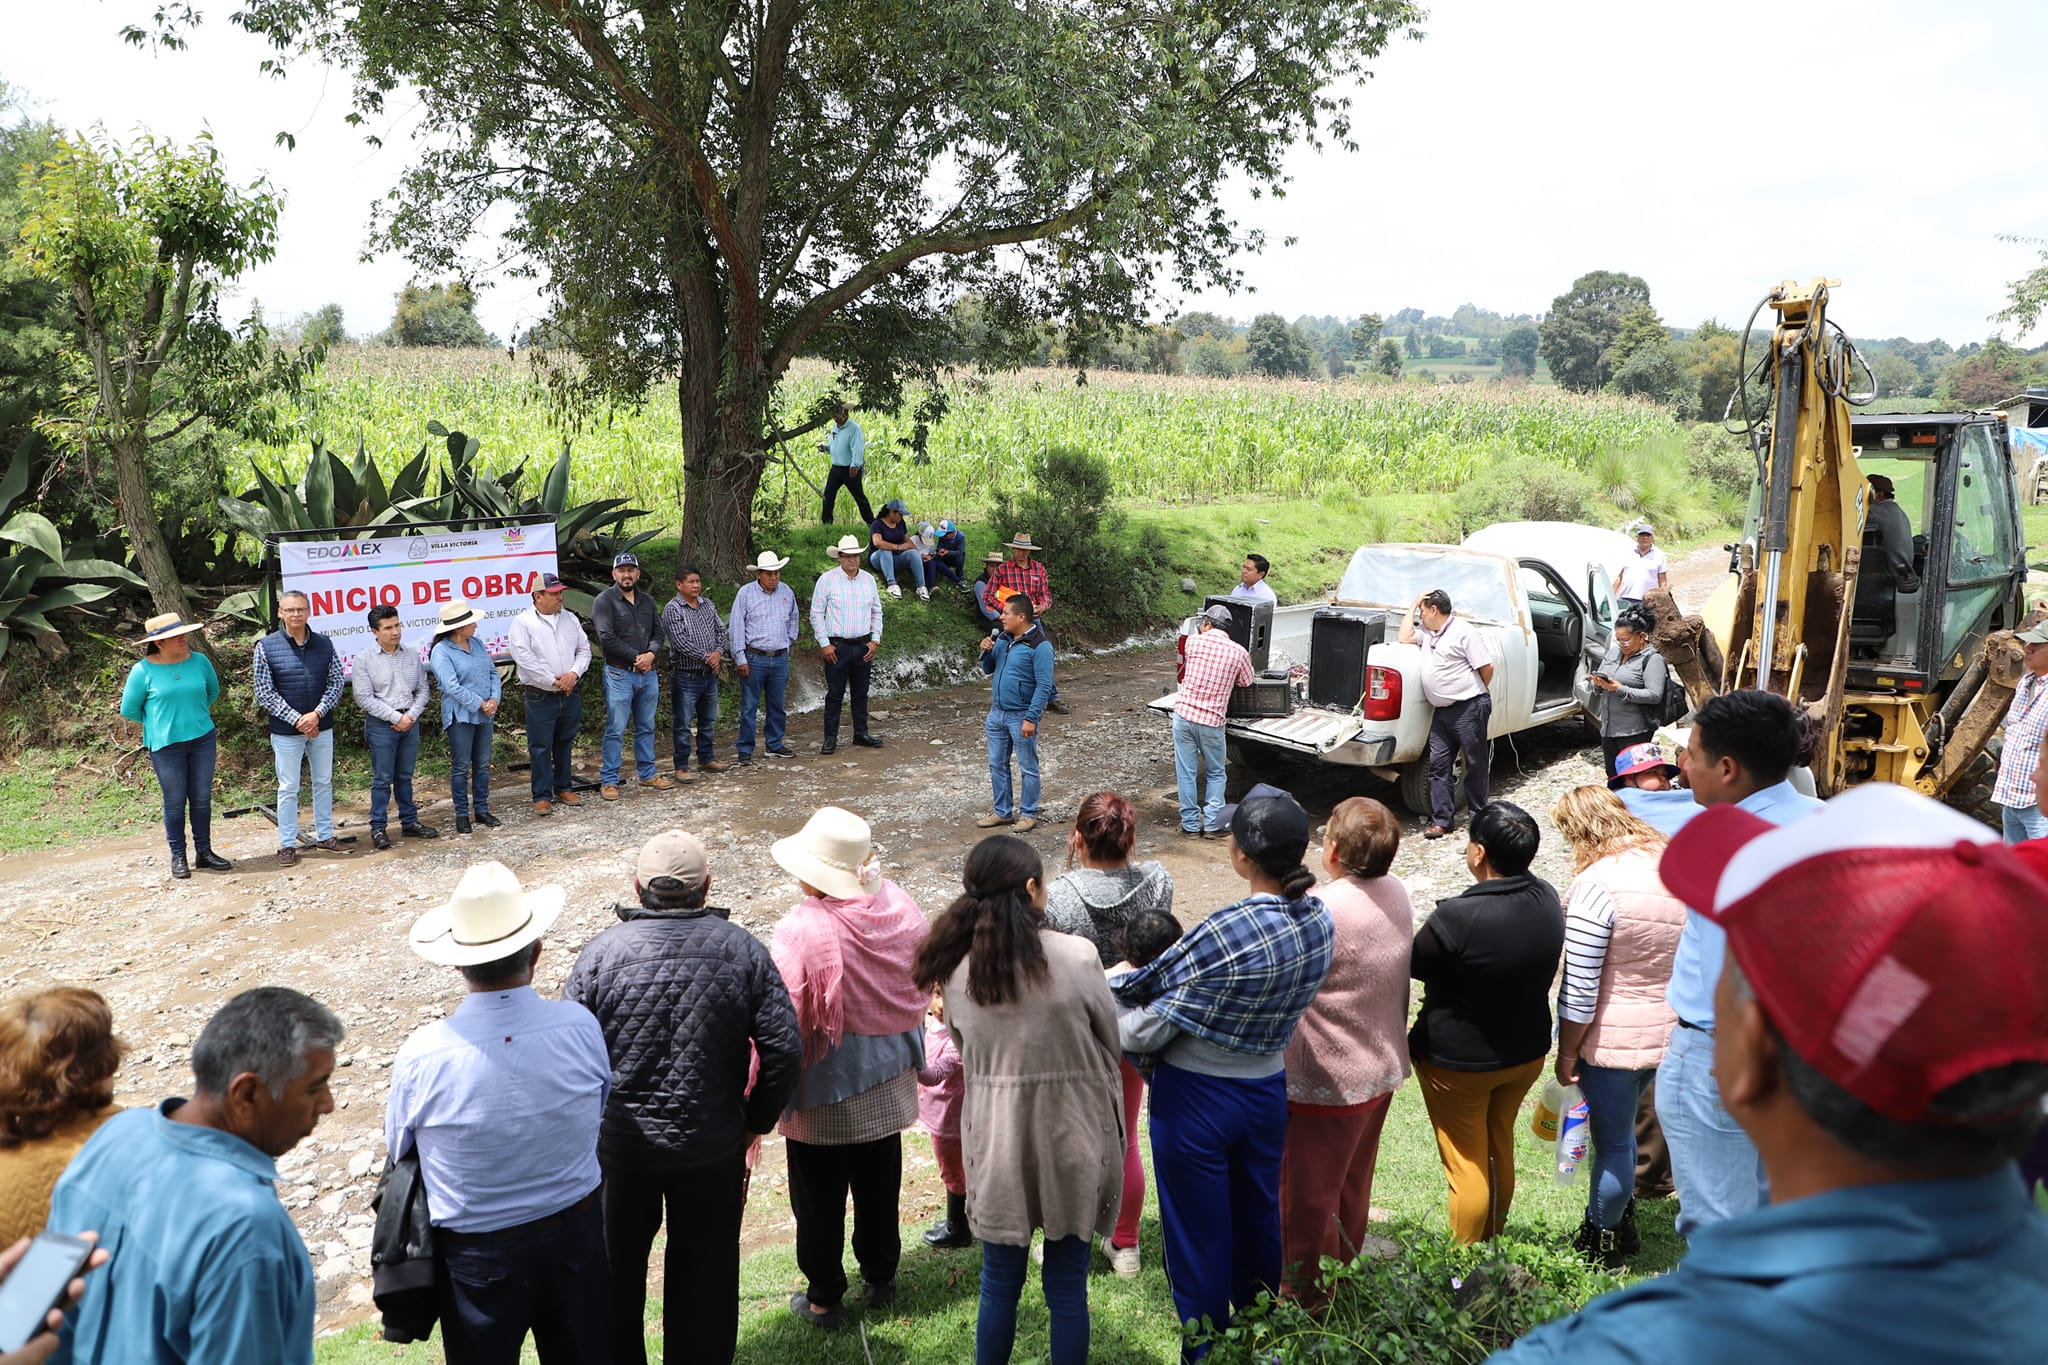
942, 1084
1352, 1044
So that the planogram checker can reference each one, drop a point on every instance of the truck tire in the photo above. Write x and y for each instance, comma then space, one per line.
1415, 784
1972, 792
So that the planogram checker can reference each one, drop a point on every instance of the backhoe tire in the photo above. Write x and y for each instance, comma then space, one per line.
1972, 792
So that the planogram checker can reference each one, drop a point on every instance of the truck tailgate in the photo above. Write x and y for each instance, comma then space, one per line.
1310, 730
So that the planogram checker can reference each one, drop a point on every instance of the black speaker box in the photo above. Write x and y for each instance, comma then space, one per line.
1339, 639
1251, 625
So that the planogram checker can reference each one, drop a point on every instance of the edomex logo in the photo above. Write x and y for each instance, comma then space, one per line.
355, 549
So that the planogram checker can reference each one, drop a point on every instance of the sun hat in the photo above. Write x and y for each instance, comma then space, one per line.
672, 853
1218, 615
1638, 758
1895, 943
1266, 817
895, 505
490, 916
993, 558
164, 627
550, 583
1023, 542
848, 545
766, 562
834, 852
625, 557
455, 615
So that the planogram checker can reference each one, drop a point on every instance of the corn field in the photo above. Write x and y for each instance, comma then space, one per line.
1168, 440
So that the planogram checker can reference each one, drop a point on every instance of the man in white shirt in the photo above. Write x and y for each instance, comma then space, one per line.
846, 618
1251, 582
1648, 570
1456, 672
553, 653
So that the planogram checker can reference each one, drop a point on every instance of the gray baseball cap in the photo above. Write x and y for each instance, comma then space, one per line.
1218, 615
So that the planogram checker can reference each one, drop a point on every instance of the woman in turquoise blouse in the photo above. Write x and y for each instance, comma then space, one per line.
170, 693
469, 707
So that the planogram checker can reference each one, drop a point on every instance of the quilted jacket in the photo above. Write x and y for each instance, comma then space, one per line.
681, 994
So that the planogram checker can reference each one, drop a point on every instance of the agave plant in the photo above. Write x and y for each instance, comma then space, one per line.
590, 530
331, 493
36, 576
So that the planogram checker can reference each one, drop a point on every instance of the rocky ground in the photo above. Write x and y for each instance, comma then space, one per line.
166, 954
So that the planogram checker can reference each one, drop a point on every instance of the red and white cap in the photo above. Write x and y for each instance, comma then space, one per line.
1896, 944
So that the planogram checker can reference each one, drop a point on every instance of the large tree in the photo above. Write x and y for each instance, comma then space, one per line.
712, 188
1583, 324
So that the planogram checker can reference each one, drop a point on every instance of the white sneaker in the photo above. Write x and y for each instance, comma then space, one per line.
924, 594
1122, 1260
895, 591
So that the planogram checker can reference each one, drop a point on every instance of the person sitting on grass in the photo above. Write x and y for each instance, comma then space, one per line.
988, 598
895, 551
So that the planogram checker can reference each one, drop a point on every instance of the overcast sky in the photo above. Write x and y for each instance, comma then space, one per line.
1711, 149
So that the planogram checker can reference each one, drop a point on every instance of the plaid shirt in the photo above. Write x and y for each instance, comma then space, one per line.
1028, 578
1243, 977
2026, 725
844, 608
692, 633
1215, 664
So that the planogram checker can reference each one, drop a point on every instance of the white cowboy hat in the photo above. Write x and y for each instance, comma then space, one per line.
490, 917
848, 545
768, 563
830, 853
455, 615
164, 627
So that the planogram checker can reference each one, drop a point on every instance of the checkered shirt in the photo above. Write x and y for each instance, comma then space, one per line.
2026, 725
1215, 664
1243, 977
1028, 578
876, 1112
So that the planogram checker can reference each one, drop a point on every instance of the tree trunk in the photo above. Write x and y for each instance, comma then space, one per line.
152, 555
722, 463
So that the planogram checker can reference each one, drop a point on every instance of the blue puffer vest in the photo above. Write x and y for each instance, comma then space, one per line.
299, 673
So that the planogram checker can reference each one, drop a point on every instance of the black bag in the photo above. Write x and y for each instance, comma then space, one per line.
402, 1252
1676, 700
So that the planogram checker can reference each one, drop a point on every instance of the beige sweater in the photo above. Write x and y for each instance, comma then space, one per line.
29, 1172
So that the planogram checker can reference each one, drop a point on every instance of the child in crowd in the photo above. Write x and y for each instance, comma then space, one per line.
1150, 933
939, 1088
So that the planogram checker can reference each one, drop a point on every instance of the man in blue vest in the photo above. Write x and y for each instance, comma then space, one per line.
298, 685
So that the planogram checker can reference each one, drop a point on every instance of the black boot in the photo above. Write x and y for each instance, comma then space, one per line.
178, 867
1596, 1245
212, 861
1627, 1240
462, 825
951, 1233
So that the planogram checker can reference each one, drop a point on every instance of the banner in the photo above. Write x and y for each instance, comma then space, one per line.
494, 569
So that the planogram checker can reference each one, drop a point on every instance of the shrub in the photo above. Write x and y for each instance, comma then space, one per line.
1716, 457
1104, 574
1439, 1301
1525, 489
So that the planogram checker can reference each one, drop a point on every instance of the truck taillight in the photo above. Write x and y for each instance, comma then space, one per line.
1382, 693
1180, 658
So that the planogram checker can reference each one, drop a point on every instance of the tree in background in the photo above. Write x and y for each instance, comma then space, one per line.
1990, 375
1198, 324
1389, 361
1583, 324
1365, 338
35, 314
714, 189
323, 327
1518, 350
1274, 348
1893, 375
1639, 329
437, 315
1712, 360
141, 238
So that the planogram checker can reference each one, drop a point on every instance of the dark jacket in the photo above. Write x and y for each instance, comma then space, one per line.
300, 673
1486, 961
402, 1252
626, 630
680, 994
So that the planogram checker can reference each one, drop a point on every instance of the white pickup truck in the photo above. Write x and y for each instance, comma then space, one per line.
1541, 594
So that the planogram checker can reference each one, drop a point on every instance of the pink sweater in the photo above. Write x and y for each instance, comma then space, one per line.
1352, 1044
941, 1084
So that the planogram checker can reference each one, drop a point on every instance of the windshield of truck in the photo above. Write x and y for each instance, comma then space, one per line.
1384, 576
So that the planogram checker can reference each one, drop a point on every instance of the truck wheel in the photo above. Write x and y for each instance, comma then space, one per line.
1415, 784
1972, 792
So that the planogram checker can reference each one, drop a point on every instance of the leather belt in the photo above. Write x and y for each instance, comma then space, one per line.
449, 1235
541, 691
1687, 1023
764, 653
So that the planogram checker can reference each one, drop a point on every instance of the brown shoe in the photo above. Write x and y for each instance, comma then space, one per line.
608, 792
287, 857
716, 765
332, 845
685, 776
543, 808
568, 799
992, 821
658, 783
1026, 825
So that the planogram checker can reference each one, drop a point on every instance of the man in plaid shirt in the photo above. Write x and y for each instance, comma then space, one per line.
1214, 664
2023, 766
1021, 573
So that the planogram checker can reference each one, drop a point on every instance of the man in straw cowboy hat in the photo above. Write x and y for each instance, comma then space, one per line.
503, 1099
763, 630
846, 616
298, 683
1021, 573
630, 636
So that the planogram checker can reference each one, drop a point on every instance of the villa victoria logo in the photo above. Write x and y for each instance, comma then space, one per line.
416, 547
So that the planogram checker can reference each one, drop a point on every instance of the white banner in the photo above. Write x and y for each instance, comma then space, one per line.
495, 570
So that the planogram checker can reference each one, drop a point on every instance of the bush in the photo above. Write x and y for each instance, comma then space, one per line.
1525, 489
1716, 457
1439, 1301
1104, 574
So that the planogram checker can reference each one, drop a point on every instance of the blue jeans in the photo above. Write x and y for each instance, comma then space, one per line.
1611, 1100
949, 567
469, 767
1713, 1162
1065, 1280
1198, 750
767, 676
391, 763
495, 1288
628, 696
185, 771
693, 704
1005, 733
551, 721
1216, 1146
890, 562
318, 752
2023, 823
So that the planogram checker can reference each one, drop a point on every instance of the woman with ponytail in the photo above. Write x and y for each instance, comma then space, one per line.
1097, 901
1041, 1124
1217, 1010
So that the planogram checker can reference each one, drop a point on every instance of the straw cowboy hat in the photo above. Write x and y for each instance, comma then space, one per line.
164, 627
1023, 542
992, 558
833, 852
768, 563
490, 917
848, 545
455, 615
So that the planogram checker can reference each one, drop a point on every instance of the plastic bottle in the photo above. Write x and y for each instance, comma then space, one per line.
1574, 1140
1551, 1106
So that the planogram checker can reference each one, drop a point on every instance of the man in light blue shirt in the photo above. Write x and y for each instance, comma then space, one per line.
1251, 581
206, 1265
763, 631
503, 1099
1743, 748
848, 448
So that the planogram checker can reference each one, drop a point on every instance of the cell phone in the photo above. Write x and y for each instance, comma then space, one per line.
1602, 676
37, 1284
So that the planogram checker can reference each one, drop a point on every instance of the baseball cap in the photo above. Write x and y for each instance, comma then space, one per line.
895, 505
672, 853
550, 583
2037, 636
1218, 615
1643, 528
1639, 758
1894, 942
625, 557
1266, 817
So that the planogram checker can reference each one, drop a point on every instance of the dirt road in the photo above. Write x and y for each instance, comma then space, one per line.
166, 954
